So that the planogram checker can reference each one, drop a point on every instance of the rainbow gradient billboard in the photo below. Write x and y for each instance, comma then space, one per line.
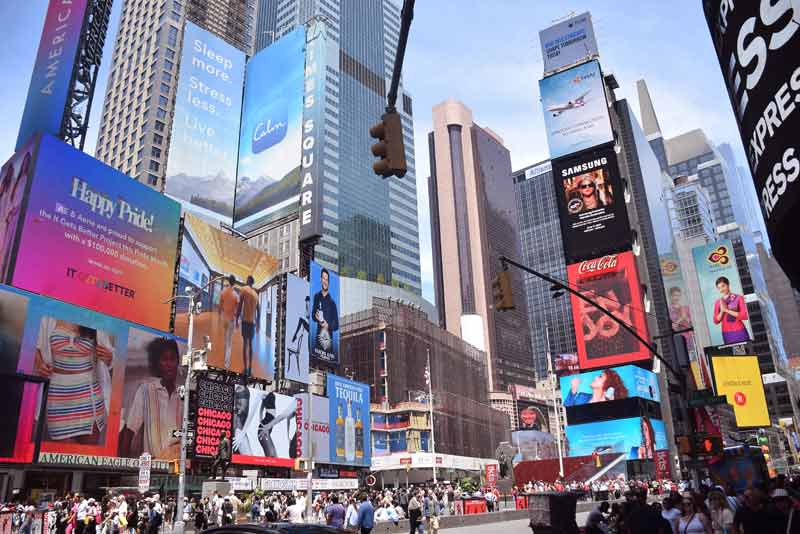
52, 72
93, 237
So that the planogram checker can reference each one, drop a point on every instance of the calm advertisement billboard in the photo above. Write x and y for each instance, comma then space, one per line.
264, 428
52, 72
237, 309
568, 42
609, 385
721, 290
739, 379
575, 110
613, 282
93, 237
349, 421
637, 437
324, 314
268, 177
592, 212
205, 128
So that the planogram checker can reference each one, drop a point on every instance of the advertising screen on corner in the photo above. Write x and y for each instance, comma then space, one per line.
93, 237
637, 437
608, 385
613, 282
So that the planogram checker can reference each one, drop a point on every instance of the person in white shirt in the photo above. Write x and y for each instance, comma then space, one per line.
295, 512
351, 516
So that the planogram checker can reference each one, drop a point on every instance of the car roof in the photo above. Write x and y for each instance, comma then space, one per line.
274, 528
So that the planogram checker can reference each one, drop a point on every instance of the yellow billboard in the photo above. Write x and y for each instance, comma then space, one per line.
739, 378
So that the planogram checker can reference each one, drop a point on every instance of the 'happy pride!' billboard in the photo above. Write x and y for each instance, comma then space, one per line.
86, 234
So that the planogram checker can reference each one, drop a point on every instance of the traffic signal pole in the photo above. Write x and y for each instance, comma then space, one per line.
406, 16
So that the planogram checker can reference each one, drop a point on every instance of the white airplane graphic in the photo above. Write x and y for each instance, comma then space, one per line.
572, 104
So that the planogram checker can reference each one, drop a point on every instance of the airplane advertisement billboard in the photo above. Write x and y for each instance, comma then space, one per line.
591, 204
201, 169
575, 110
613, 282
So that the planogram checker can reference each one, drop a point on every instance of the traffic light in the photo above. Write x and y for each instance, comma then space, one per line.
390, 147
706, 444
174, 467
684, 445
501, 289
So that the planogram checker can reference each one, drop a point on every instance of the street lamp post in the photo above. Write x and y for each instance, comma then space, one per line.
552, 379
430, 408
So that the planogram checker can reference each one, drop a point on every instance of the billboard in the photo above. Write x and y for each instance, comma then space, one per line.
533, 445
637, 437
739, 379
268, 176
592, 212
314, 429
296, 342
234, 314
565, 363
613, 282
575, 110
349, 421
532, 415
609, 385
568, 42
93, 237
313, 120
14, 178
763, 85
721, 290
214, 416
264, 428
205, 127
325, 314
46, 104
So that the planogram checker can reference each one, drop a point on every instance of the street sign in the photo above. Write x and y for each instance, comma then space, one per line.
145, 461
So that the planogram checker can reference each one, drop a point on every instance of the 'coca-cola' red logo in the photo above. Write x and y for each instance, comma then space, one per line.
598, 264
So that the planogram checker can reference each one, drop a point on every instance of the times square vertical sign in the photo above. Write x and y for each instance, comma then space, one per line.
758, 47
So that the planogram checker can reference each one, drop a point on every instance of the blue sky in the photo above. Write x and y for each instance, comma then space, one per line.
487, 55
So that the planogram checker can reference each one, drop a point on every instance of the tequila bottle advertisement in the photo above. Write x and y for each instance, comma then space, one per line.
349, 421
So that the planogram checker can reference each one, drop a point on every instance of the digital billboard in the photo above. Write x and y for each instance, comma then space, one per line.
296, 341
575, 110
14, 179
565, 363
268, 176
637, 437
213, 416
236, 307
568, 42
532, 415
46, 104
739, 379
264, 428
758, 47
93, 237
533, 445
721, 290
609, 385
349, 421
613, 282
204, 145
591, 204
314, 429
324, 314
113, 385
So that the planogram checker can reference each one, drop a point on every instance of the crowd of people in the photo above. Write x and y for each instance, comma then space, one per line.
705, 509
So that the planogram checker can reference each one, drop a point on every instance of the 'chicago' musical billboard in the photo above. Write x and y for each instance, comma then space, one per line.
613, 282
591, 204
758, 47
89, 235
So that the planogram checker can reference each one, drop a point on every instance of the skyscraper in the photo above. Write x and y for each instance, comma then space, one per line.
473, 224
140, 96
371, 226
542, 250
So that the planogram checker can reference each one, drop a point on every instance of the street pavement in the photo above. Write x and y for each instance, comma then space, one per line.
517, 526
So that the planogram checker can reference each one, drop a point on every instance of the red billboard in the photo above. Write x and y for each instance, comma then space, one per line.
612, 282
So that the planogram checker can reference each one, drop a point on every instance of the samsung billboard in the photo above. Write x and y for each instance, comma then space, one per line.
268, 176
205, 131
575, 110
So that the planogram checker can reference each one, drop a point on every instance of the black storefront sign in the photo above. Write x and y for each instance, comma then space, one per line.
758, 47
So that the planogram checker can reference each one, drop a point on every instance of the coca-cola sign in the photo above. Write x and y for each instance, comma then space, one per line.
601, 339
598, 265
